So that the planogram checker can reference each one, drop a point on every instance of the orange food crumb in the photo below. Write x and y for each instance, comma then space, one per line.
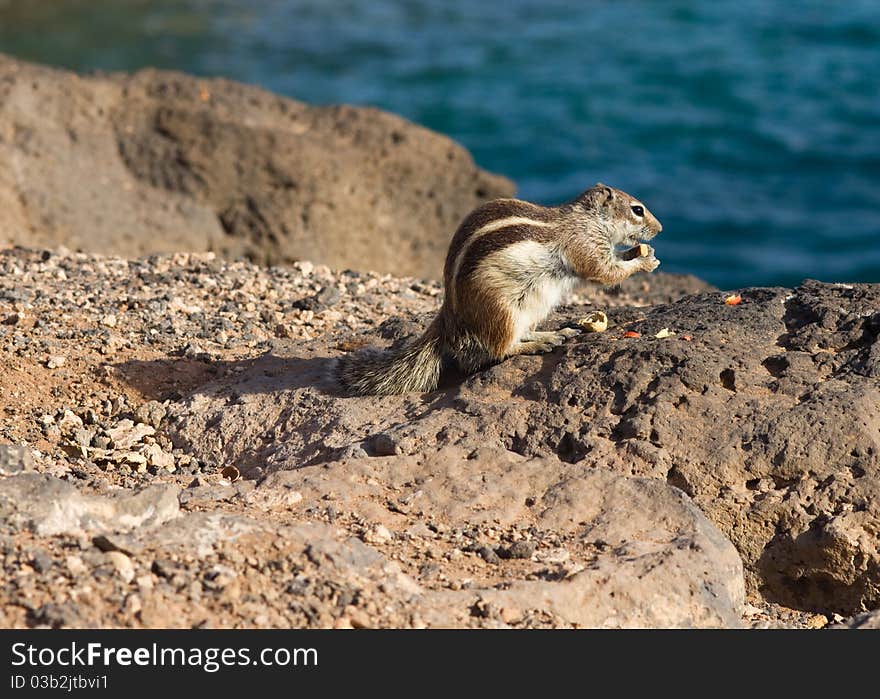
733, 300
631, 333
686, 338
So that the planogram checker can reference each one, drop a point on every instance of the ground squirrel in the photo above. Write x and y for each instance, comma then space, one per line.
509, 263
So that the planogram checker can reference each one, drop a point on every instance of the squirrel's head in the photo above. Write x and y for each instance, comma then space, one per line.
627, 220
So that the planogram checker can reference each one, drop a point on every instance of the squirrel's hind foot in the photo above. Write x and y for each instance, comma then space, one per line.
541, 342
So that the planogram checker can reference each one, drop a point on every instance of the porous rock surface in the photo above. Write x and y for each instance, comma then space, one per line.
767, 414
135, 393
174, 451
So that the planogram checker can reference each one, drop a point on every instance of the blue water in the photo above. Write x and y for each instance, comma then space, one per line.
751, 128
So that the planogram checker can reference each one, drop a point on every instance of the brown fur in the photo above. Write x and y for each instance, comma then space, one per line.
495, 283
488, 212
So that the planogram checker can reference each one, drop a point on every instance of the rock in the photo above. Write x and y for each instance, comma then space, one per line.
75, 566
151, 413
378, 534
383, 445
156, 456
56, 616
69, 422
50, 506
488, 555
202, 531
324, 299
866, 620
122, 564
643, 535
573, 475
518, 549
768, 418
41, 561
83, 437
127, 433
125, 163
126, 543
55, 361
15, 459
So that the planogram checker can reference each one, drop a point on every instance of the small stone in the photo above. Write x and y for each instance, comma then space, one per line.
163, 568
101, 441
518, 549
383, 445
127, 433
83, 437
157, 457
76, 450
12, 319
41, 562
70, 422
125, 543
328, 296
378, 534
15, 459
55, 361
554, 556
817, 621
132, 605
488, 555
109, 320
219, 576
122, 564
151, 413
284, 331
137, 461
358, 619
510, 615
75, 565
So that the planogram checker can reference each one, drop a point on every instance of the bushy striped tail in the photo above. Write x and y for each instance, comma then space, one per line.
413, 368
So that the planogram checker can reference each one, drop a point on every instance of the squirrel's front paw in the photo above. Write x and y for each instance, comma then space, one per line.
650, 263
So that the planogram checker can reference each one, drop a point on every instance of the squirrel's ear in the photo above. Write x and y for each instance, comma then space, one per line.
606, 194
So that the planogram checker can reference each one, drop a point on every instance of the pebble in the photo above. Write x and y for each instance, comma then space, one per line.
55, 361
488, 555
122, 564
127, 433
41, 562
518, 549
70, 422
75, 565
383, 445
378, 534
15, 459
151, 413
155, 456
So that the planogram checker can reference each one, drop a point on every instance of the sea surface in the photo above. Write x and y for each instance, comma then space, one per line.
751, 128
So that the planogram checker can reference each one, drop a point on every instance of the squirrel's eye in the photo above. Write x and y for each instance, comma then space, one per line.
638, 210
